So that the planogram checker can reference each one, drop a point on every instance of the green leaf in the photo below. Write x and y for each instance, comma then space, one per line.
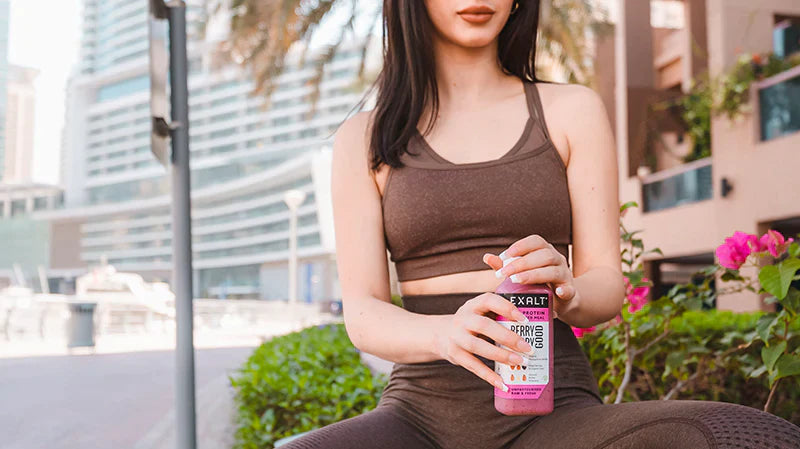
792, 301
787, 366
758, 371
673, 362
794, 249
731, 275
770, 354
764, 326
627, 205
775, 279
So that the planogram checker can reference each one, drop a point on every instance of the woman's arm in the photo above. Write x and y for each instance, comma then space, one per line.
592, 291
374, 324
594, 193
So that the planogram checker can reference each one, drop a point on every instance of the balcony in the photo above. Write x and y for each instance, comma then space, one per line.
684, 184
668, 56
779, 104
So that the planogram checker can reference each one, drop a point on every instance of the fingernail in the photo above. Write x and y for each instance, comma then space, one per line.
528, 357
498, 274
525, 347
519, 317
515, 278
501, 386
509, 260
559, 291
516, 359
503, 255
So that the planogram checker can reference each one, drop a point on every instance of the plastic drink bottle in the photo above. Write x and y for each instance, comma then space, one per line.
530, 385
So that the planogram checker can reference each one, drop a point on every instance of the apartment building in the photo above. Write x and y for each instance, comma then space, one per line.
750, 180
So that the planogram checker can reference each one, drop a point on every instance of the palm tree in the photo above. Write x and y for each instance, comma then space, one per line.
262, 31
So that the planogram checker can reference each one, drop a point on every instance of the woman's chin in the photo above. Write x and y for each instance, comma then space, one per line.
474, 39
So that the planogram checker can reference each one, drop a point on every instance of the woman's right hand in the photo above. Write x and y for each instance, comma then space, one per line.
461, 338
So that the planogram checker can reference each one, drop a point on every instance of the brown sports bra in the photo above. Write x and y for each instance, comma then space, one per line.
440, 217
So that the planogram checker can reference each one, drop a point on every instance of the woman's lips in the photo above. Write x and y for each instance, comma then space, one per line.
476, 17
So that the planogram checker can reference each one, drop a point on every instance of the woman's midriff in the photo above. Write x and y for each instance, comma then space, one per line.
473, 281
455, 408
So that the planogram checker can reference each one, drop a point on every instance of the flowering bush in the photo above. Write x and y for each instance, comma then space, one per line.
732, 88
727, 94
647, 336
780, 355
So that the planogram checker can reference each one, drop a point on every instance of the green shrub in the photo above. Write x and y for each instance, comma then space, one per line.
688, 362
299, 382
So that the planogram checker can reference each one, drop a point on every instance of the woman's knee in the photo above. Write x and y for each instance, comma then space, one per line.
709, 424
380, 427
714, 424
663, 424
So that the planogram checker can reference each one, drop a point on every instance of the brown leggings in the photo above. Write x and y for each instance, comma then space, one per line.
440, 405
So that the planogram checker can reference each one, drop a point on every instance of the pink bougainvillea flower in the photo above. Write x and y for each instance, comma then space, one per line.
637, 297
774, 242
581, 331
733, 253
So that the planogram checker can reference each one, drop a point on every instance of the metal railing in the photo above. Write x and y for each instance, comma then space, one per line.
778, 110
684, 184
44, 317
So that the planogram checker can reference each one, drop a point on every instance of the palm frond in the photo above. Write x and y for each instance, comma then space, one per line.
263, 31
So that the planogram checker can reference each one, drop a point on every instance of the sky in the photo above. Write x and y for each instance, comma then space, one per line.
45, 34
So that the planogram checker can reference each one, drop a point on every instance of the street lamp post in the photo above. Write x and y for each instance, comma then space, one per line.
293, 199
177, 160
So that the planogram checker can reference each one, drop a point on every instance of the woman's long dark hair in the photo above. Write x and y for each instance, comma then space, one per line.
408, 77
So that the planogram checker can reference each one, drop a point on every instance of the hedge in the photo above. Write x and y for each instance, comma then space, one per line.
299, 382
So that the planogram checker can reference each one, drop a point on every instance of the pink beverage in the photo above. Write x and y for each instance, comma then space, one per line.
530, 384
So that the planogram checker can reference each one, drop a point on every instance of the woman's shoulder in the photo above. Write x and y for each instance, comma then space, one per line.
351, 138
351, 143
355, 128
568, 97
572, 107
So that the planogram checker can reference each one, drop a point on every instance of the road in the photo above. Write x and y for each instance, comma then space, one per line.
112, 401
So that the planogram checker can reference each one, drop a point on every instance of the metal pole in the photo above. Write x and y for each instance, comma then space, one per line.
293, 255
181, 229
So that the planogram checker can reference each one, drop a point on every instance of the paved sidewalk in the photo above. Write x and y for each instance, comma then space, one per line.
215, 420
123, 400
113, 344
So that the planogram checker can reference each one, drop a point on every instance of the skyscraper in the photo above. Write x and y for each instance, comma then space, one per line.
243, 159
4, 17
19, 124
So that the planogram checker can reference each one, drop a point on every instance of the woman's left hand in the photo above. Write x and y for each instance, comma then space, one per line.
537, 262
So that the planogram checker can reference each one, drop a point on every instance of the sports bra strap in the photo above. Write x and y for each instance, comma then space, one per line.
537, 106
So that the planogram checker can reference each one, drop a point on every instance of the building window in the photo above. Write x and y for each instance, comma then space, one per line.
123, 88
39, 203
17, 207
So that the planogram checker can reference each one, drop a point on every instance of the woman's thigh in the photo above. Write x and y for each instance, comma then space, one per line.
381, 428
660, 424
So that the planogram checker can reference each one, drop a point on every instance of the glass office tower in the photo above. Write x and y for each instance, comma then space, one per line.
242, 157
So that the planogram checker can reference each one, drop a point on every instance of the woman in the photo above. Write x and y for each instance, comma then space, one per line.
493, 180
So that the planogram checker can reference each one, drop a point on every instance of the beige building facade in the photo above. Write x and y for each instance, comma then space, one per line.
750, 181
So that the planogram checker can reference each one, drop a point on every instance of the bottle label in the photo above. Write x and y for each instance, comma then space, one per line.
527, 381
